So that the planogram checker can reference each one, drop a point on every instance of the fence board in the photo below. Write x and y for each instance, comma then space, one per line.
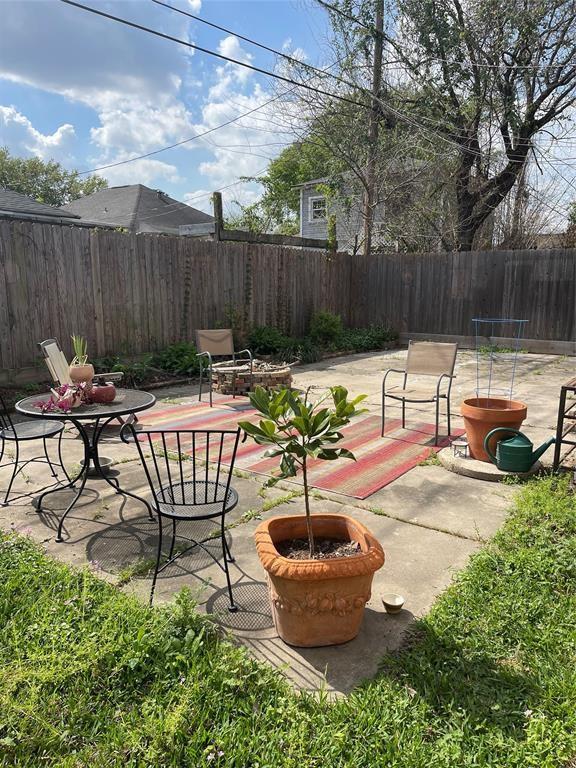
137, 293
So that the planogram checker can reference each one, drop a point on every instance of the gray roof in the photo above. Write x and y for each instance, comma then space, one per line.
13, 203
137, 208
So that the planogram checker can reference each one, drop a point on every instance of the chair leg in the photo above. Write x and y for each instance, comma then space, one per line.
48, 459
403, 414
210, 383
383, 411
60, 461
173, 538
232, 607
231, 558
158, 558
14, 473
201, 377
437, 419
448, 415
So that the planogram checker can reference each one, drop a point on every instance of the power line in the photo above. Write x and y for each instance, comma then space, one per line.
184, 141
345, 15
373, 31
221, 56
264, 47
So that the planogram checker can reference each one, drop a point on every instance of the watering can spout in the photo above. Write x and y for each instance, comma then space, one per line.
544, 447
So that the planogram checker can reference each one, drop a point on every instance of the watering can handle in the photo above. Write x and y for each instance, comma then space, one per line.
493, 432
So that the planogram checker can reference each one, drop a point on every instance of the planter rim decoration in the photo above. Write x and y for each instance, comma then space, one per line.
318, 602
483, 414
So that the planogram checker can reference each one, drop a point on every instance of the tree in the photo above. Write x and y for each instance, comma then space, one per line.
300, 162
48, 182
488, 77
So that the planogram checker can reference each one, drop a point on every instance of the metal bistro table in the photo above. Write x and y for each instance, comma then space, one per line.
97, 416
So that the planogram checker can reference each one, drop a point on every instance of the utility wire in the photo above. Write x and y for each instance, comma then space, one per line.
264, 47
221, 56
184, 141
373, 31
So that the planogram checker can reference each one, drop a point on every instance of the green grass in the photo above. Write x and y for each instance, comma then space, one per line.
89, 677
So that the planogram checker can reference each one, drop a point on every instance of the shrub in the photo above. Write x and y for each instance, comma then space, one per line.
325, 327
365, 339
179, 359
135, 372
304, 350
267, 340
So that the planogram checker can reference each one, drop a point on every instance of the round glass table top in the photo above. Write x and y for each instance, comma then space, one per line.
126, 401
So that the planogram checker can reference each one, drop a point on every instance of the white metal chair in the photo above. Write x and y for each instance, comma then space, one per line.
59, 369
218, 343
58, 366
432, 359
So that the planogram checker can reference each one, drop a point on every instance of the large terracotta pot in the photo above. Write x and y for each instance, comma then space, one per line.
81, 374
318, 602
483, 414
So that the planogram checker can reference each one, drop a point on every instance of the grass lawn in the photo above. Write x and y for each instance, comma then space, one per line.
89, 677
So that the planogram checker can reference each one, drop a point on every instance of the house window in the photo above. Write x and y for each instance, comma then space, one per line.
317, 209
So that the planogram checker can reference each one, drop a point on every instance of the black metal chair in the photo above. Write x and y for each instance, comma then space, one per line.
19, 432
184, 472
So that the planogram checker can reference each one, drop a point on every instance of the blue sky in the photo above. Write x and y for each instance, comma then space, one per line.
87, 91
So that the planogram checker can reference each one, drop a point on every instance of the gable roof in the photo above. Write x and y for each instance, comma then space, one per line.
138, 208
15, 204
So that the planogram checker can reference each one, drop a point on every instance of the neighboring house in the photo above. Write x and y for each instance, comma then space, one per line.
315, 208
405, 188
550, 240
13, 205
138, 209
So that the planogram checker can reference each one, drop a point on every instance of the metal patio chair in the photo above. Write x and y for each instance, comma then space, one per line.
22, 431
184, 469
218, 343
434, 360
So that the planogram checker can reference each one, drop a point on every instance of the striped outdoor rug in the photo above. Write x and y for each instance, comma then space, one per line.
379, 460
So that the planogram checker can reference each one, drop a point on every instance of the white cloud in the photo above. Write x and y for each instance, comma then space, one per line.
136, 126
195, 5
200, 199
131, 81
20, 136
145, 171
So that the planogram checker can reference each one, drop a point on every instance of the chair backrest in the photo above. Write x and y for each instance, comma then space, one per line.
431, 358
184, 467
217, 342
55, 361
5, 420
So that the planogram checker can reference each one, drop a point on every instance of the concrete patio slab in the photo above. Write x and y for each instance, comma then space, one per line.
429, 521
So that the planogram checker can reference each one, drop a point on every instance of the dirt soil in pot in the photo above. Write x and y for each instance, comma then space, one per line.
326, 549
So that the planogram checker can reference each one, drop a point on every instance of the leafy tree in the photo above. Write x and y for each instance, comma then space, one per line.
488, 77
48, 182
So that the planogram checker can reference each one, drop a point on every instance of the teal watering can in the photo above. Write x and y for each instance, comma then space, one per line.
514, 454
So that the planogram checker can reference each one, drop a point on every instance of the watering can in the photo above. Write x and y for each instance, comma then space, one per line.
514, 454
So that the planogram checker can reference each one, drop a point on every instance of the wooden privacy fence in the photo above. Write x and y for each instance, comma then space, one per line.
130, 294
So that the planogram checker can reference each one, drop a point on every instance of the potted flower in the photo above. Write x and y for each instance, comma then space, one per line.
81, 371
320, 567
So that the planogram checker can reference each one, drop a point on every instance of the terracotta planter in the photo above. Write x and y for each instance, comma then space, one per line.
103, 393
81, 374
318, 602
482, 414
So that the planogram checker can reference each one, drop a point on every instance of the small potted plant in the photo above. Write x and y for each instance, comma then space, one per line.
320, 567
81, 371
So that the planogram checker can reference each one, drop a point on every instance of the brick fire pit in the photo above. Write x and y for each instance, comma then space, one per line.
230, 379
